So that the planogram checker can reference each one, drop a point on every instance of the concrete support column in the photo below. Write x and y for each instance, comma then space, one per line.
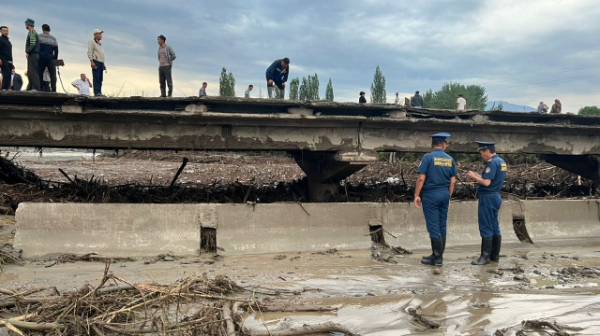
325, 170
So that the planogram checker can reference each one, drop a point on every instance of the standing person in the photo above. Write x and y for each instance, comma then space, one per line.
416, 101
6, 59
82, 85
247, 93
203, 90
556, 107
166, 56
437, 178
97, 60
16, 81
461, 103
32, 53
277, 74
542, 108
48, 54
490, 201
362, 99
406, 102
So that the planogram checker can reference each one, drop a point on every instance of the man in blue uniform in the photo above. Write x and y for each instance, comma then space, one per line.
277, 74
437, 177
490, 184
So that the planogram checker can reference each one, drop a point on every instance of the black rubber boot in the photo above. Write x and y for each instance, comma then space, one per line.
437, 258
427, 259
496, 244
486, 250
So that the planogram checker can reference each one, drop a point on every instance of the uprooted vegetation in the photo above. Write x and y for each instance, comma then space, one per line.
230, 181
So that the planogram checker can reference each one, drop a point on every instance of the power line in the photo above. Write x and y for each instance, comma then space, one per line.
545, 83
554, 73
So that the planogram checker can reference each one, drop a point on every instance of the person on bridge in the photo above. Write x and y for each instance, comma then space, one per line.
556, 107
490, 183
166, 56
277, 74
461, 103
202, 92
97, 59
416, 101
437, 178
362, 99
48, 54
6, 59
32, 53
82, 85
247, 93
542, 108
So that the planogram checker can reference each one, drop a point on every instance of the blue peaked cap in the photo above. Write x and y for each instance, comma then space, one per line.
486, 145
440, 137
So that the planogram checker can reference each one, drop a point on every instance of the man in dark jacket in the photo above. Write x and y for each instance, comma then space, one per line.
277, 75
416, 101
17, 81
362, 99
32, 53
48, 54
6, 60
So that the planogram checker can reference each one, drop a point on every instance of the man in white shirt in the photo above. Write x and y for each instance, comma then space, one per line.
461, 103
83, 85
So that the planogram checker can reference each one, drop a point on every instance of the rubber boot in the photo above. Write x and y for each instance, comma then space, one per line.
443, 244
496, 243
486, 250
427, 259
437, 258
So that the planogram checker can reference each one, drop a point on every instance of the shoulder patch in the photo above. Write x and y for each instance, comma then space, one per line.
488, 170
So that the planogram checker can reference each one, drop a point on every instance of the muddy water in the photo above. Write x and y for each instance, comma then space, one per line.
371, 297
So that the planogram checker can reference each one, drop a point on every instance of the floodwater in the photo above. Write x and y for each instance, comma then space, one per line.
371, 296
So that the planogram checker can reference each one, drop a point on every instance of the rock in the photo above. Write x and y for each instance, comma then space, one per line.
525, 256
537, 272
554, 273
437, 272
168, 258
549, 287
519, 277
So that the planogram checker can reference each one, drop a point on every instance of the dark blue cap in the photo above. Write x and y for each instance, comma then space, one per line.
440, 137
486, 145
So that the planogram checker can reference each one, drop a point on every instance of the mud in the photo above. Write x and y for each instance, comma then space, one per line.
556, 280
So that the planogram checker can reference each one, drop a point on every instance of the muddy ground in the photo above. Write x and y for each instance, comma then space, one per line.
555, 281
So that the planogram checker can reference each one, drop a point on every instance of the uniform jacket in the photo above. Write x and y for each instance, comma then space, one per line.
495, 170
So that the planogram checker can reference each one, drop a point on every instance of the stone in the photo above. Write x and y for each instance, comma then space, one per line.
519, 277
168, 258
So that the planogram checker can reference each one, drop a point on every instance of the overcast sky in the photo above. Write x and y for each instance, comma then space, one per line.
521, 51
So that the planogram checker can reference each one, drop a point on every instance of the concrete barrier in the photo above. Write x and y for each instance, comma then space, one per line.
562, 219
407, 223
107, 229
149, 230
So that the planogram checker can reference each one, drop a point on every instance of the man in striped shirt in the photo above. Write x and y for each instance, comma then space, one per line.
32, 53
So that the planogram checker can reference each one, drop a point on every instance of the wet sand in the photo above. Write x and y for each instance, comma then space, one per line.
371, 296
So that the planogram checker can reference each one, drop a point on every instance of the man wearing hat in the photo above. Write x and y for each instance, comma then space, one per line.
32, 52
96, 56
490, 184
437, 177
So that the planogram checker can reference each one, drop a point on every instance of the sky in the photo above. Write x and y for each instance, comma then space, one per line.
522, 52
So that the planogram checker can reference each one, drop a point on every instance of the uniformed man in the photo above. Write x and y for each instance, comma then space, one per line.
490, 184
437, 177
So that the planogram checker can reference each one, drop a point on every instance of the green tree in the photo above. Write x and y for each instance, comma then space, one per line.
590, 111
295, 89
231, 85
499, 107
314, 87
304, 90
226, 84
378, 92
329, 91
445, 98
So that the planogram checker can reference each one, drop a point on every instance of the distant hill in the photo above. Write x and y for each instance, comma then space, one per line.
511, 107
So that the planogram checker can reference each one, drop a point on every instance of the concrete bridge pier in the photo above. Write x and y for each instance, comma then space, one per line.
325, 170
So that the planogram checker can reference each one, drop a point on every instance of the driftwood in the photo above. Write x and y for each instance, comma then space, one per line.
291, 308
559, 329
307, 330
71, 258
419, 318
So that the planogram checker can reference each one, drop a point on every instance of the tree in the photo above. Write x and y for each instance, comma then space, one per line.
445, 98
304, 90
295, 89
309, 89
499, 107
329, 91
378, 93
590, 111
226, 84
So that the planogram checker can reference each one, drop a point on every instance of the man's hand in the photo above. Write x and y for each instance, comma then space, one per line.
472, 175
283, 84
270, 82
93, 65
27, 56
105, 68
418, 202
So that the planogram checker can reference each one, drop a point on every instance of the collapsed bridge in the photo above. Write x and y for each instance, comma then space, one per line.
329, 141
